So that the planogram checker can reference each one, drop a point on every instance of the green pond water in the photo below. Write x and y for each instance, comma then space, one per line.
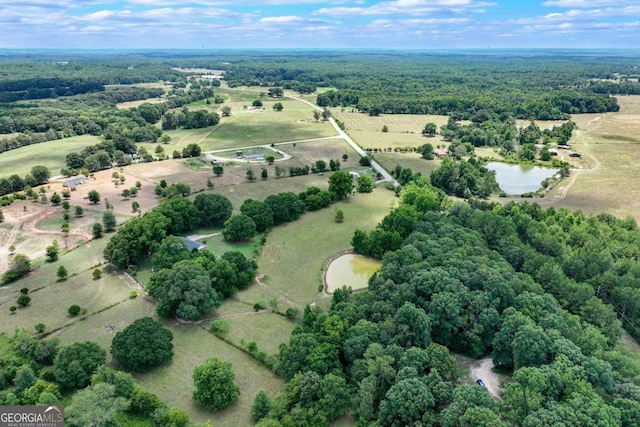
519, 179
350, 270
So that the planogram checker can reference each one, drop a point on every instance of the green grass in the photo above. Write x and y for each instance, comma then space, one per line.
218, 246
268, 330
412, 161
294, 271
51, 154
49, 302
404, 130
193, 345
264, 126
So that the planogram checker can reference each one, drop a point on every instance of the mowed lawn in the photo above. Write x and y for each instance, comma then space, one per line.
404, 130
192, 346
295, 254
51, 154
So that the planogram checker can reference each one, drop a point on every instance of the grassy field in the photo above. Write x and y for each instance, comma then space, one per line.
293, 275
247, 127
51, 154
405, 130
606, 179
412, 161
50, 298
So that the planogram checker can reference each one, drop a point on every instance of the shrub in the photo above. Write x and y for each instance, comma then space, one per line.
97, 273
23, 300
74, 310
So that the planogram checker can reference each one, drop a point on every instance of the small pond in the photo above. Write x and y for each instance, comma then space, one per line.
350, 270
519, 179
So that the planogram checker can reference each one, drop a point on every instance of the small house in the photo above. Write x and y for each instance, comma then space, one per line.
441, 152
192, 244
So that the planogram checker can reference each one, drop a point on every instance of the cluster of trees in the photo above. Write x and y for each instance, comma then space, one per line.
142, 236
531, 287
14, 183
189, 119
464, 178
40, 372
189, 284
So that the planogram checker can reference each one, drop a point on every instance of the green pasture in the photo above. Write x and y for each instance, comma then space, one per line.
295, 254
51, 154
218, 246
413, 161
50, 301
404, 130
192, 346
267, 329
85, 257
255, 126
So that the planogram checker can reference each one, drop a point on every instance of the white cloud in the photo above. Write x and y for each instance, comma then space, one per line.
410, 7
281, 19
585, 3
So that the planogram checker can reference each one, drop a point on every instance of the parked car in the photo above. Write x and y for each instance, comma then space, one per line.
481, 383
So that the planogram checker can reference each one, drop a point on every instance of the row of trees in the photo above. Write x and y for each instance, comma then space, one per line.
39, 175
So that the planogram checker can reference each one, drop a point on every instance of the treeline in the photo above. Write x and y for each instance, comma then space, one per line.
479, 279
625, 87
466, 102
39, 88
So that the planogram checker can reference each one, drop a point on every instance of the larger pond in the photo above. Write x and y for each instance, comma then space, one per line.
350, 270
519, 179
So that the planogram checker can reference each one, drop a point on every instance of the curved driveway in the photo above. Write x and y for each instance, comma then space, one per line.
375, 165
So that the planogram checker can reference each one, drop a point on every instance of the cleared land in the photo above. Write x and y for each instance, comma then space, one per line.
405, 130
291, 272
51, 154
265, 126
610, 158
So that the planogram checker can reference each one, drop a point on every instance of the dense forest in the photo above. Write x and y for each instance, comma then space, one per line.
546, 293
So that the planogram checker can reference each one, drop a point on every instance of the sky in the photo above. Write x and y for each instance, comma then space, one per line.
257, 24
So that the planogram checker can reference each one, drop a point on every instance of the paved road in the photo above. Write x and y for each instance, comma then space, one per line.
386, 175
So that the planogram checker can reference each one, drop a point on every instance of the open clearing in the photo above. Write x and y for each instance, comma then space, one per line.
611, 156
288, 269
405, 130
264, 126
475, 369
51, 154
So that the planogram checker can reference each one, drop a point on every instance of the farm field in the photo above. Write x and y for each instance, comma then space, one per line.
607, 182
265, 126
413, 161
192, 346
51, 154
405, 130
50, 299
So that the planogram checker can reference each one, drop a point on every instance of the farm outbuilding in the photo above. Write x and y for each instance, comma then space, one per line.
74, 181
254, 155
